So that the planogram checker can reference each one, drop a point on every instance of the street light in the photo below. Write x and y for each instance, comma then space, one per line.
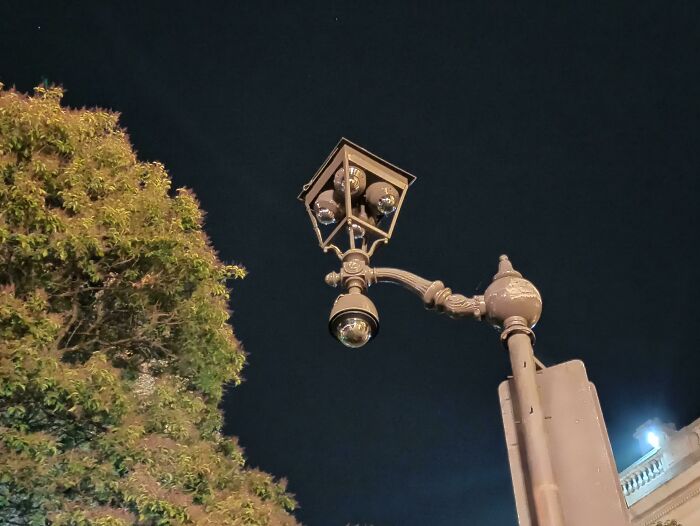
653, 439
353, 202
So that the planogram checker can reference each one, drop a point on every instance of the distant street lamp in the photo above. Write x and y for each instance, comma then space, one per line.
653, 440
353, 202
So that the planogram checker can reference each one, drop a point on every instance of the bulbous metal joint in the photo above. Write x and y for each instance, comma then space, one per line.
512, 296
354, 272
332, 279
516, 325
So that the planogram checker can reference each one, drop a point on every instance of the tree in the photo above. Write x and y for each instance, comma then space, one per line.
114, 336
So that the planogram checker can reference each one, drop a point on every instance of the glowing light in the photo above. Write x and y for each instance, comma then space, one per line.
653, 439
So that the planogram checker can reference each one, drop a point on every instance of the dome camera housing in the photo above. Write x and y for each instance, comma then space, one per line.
383, 199
357, 180
354, 320
327, 210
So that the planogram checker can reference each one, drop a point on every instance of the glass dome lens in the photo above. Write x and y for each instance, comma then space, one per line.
354, 319
386, 204
325, 215
326, 209
382, 198
356, 178
358, 231
354, 182
353, 331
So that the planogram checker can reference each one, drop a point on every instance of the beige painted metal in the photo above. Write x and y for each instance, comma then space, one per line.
344, 155
581, 460
515, 305
563, 473
544, 489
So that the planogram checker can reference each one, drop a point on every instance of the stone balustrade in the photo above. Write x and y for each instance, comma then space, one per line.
641, 473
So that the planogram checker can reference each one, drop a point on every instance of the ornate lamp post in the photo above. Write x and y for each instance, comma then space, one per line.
353, 202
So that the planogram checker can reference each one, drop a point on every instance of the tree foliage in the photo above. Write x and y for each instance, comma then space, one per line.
114, 337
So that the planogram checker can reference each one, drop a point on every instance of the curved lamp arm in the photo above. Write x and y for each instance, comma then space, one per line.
433, 293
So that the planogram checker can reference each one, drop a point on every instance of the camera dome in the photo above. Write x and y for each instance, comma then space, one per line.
354, 320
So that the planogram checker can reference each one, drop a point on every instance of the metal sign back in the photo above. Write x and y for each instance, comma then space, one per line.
584, 469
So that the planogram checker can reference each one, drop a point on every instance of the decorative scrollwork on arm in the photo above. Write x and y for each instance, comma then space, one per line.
433, 293
459, 306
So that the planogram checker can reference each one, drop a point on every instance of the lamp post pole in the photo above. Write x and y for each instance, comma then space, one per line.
544, 487
359, 195
511, 303
515, 305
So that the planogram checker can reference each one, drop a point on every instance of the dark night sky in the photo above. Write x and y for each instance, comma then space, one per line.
566, 135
